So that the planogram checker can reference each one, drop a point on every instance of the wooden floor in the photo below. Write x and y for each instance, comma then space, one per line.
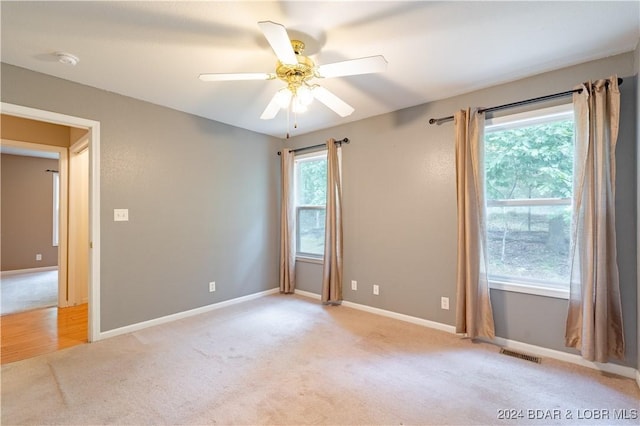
41, 331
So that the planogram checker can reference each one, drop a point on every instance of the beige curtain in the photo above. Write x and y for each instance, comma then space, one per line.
332, 267
594, 320
474, 315
287, 224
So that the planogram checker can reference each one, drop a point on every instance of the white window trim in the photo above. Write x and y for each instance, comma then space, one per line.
538, 290
302, 256
308, 259
528, 202
529, 118
506, 122
56, 209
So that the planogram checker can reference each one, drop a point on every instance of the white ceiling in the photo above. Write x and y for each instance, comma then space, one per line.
155, 51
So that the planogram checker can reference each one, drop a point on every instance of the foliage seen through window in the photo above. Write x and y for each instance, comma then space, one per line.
529, 178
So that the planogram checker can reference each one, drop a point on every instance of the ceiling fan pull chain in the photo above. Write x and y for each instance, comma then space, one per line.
288, 121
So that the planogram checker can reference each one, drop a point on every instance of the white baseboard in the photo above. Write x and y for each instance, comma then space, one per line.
28, 270
389, 314
402, 317
307, 294
620, 370
180, 315
608, 367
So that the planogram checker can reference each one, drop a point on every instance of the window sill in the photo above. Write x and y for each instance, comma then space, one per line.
540, 290
307, 259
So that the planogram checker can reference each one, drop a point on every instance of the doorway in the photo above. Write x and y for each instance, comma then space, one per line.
45, 199
33, 215
85, 152
44, 308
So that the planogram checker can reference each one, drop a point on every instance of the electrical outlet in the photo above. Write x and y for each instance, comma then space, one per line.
376, 289
38, 256
212, 286
354, 285
444, 303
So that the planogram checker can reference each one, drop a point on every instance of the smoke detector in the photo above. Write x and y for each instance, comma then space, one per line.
67, 58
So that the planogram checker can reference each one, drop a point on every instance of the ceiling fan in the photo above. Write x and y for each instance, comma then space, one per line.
298, 72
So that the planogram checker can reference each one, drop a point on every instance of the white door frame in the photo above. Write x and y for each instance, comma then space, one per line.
94, 197
74, 211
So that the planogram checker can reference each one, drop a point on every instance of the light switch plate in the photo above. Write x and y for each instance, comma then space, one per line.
120, 215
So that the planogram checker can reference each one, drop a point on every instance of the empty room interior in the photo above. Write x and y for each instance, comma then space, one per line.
310, 212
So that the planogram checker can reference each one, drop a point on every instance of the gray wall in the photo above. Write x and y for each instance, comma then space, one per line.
27, 212
637, 70
400, 210
202, 199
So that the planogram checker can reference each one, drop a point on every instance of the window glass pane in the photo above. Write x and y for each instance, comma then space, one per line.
311, 230
529, 242
530, 162
311, 181
311, 198
529, 177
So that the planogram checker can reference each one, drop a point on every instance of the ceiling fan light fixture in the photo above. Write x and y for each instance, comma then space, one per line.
304, 95
297, 106
283, 97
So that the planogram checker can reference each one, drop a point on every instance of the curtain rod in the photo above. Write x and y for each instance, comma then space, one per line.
51, 171
340, 142
515, 104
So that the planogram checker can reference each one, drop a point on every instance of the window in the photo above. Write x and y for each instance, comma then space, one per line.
56, 208
310, 203
529, 183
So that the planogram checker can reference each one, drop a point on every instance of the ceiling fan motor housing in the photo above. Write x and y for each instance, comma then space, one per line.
296, 74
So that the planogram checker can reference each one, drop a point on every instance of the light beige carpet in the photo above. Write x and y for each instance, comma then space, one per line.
289, 360
29, 290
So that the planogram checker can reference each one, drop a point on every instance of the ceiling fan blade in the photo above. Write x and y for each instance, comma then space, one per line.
236, 76
272, 108
366, 65
276, 35
334, 103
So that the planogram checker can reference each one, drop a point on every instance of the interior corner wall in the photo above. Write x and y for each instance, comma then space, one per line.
201, 195
27, 213
399, 210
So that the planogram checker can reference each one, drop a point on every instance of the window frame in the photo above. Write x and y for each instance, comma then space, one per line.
510, 121
55, 239
310, 156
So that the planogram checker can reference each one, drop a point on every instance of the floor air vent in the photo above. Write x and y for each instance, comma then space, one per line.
515, 354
